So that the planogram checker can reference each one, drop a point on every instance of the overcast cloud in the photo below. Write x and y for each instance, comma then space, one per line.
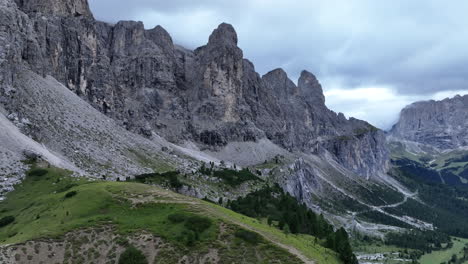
372, 57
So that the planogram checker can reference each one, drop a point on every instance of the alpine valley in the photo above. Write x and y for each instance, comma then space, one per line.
119, 146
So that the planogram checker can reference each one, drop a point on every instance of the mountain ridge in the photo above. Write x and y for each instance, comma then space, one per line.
210, 96
438, 124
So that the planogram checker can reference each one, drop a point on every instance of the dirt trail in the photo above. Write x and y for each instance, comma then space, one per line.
197, 205
267, 236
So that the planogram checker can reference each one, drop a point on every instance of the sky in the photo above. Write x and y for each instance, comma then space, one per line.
372, 57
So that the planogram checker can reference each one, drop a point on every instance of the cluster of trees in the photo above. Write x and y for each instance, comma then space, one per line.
378, 195
70, 194
132, 256
425, 241
170, 178
381, 218
455, 259
449, 204
6, 220
286, 213
283, 210
416, 171
339, 242
194, 226
230, 177
37, 172
248, 236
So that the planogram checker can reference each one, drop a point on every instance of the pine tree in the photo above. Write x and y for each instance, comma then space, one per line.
286, 229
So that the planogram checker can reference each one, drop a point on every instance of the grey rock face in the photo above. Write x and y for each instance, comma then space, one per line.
441, 124
311, 88
56, 7
210, 96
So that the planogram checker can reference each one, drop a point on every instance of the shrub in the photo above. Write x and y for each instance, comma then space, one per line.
122, 241
132, 256
66, 187
189, 237
198, 224
169, 178
174, 182
177, 218
234, 178
6, 220
194, 226
70, 194
37, 172
248, 236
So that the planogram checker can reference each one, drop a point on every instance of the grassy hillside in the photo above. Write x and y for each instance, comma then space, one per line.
49, 204
446, 167
459, 249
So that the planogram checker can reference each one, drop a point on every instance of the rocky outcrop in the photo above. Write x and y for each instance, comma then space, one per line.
56, 7
441, 124
210, 96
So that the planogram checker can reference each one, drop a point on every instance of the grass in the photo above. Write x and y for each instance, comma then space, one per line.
449, 160
398, 151
42, 209
267, 165
437, 257
306, 244
155, 163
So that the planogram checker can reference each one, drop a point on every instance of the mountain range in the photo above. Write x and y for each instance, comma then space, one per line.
119, 102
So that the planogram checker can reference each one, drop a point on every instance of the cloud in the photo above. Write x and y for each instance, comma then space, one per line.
379, 106
405, 49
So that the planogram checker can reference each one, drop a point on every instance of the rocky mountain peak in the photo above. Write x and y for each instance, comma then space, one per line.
441, 124
161, 35
56, 7
278, 74
311, 88
162, 38
279, 83
225, 34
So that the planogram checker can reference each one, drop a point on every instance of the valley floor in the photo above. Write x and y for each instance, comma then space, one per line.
377, 253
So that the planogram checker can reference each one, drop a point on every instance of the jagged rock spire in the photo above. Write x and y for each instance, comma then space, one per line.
225, 34
311, 88
279, 84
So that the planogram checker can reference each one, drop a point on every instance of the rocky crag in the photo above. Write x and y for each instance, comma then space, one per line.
440, 124
434, 136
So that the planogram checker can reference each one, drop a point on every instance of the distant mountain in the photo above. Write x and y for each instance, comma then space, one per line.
440, 124
435, 135
429, 155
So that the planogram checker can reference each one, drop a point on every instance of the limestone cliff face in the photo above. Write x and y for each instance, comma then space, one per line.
56, 7
210, 96
441, 124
